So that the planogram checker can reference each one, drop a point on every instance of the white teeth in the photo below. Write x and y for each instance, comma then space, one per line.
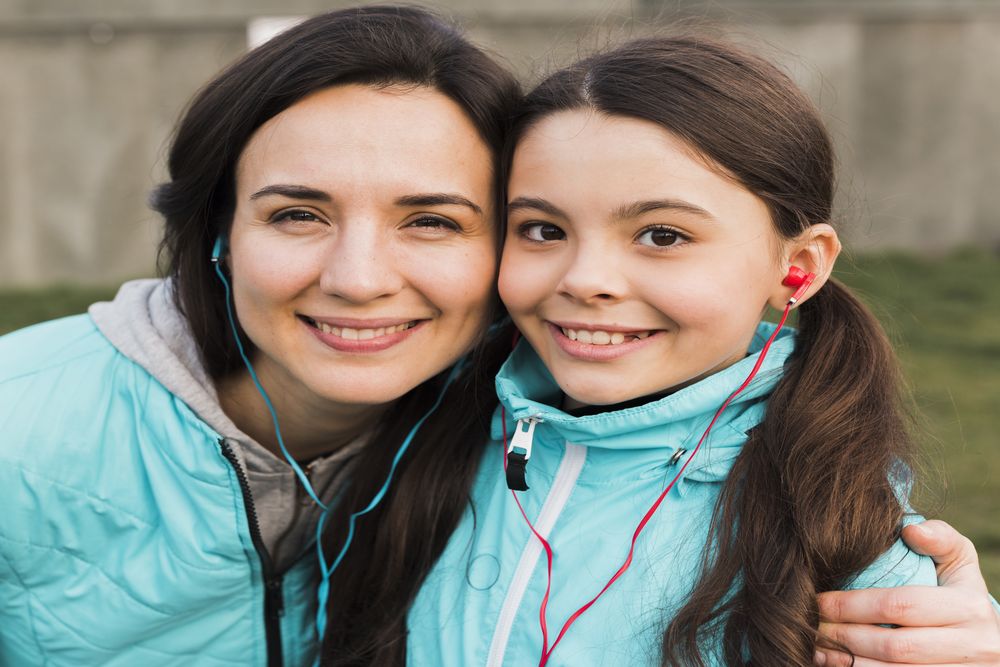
603, 337
600, 338
362, 334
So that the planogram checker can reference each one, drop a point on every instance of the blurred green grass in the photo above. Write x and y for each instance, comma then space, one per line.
943, 315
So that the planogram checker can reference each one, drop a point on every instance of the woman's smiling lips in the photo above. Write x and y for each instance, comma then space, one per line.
361, 336
599, 342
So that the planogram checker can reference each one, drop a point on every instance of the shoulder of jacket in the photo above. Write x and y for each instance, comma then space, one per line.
898, 566
52, 344
64, 378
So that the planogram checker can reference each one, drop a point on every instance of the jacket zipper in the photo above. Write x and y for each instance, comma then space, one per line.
273, 599
562, 486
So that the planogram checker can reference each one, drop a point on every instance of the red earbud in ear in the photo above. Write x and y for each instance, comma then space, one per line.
796, 277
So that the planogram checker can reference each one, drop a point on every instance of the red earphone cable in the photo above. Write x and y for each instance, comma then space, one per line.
546, 650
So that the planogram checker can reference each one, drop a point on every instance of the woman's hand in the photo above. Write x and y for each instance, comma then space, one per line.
954, 624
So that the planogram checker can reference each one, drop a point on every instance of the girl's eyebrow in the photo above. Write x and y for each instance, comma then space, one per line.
623, 212
537, 204
635, 209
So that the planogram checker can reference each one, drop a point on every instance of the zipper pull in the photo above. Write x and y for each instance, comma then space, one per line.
675, 459
518, 453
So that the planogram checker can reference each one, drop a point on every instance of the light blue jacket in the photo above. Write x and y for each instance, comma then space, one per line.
125, 539
591, 479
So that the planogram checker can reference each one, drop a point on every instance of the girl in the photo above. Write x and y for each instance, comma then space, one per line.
672, 481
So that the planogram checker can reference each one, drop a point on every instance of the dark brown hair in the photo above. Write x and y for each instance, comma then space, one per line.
378, 46
374, 45
810, 501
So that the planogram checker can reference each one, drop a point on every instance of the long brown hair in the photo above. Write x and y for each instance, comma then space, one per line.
395, 545
377, 45
810, 501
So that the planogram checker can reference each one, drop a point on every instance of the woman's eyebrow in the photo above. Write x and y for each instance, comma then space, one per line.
438, 199
635, 209
293, 192
537, 204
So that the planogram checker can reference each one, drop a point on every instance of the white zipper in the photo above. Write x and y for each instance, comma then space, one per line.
523, 437
565, 479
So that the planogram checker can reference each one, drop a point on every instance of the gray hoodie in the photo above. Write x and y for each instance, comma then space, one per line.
143, 323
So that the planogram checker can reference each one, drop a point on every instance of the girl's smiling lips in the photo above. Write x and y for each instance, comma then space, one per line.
599, 342
361, 335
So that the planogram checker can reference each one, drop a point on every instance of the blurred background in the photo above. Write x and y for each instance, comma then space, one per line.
910, 89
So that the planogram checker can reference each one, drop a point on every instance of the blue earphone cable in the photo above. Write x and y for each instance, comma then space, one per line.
267, 401
327, 572
323, 590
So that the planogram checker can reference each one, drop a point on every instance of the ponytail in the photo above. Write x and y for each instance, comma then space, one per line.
810, 501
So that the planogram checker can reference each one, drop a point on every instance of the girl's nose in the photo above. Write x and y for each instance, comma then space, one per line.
594, 275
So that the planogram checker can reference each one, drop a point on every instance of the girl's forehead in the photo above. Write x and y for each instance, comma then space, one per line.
607, 162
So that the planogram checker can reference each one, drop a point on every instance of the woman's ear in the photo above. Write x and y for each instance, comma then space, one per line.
815, 251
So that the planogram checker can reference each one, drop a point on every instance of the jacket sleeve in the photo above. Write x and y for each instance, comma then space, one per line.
899, 566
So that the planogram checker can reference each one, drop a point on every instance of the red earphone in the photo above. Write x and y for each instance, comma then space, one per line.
796, 277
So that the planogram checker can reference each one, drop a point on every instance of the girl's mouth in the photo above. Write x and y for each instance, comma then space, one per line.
599, 337
601, 344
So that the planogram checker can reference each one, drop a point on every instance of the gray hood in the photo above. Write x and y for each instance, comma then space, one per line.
144, 324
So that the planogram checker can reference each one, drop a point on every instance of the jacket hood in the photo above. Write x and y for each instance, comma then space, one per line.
658, 428
144, 324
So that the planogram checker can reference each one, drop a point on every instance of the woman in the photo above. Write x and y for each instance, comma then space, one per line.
344, 174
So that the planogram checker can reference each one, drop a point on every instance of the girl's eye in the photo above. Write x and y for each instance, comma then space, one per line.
540, 232
660, 237
294, 215
434, 222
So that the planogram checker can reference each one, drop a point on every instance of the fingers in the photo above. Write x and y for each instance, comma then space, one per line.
917, 646
954, 554
925, 606
826, 658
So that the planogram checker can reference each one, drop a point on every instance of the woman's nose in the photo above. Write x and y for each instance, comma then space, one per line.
361, 265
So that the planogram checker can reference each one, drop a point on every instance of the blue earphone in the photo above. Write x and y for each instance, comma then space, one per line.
326, 571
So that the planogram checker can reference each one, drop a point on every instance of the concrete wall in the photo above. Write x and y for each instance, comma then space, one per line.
90, 90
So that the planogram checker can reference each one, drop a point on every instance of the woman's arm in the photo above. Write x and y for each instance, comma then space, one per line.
956, 623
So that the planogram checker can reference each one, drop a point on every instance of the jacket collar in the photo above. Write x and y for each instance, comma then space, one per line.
655, 430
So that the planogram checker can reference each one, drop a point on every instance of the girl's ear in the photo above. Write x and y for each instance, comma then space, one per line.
814, 251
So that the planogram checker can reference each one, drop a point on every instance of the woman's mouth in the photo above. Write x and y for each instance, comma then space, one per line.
368, 333
372, 336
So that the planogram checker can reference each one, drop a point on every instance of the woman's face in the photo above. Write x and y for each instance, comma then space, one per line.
362, 247
630, 265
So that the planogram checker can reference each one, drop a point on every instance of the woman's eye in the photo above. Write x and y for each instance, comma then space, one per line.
294, 215
434, 222
660, 237
541, 232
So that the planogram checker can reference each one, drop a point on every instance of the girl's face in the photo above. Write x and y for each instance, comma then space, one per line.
631, 265
362, 247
